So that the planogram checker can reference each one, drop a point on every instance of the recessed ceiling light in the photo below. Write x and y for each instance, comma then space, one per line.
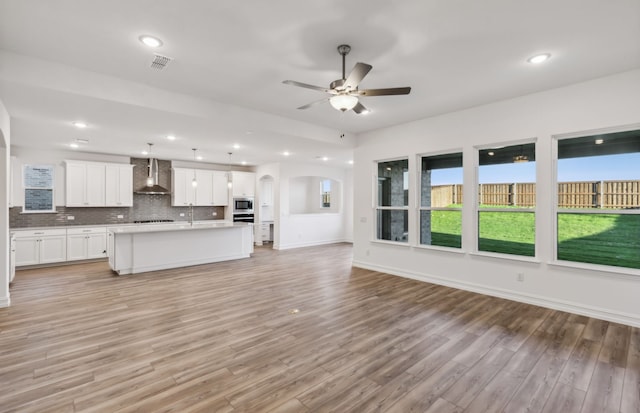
199, 158
171, 137
539, 58
491, 153
286, 153
79, 124
324, 158
599, 141
236, 146
150, 41
244, 162
350, 162
74, 145
145, 153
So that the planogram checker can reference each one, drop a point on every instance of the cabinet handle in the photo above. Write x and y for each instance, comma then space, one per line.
86, 230
38, 233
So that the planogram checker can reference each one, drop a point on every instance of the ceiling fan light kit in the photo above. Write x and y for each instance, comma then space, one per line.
345, 92
343, 102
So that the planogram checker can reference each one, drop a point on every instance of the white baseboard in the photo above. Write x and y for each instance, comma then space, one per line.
567, 306
306, 244
5, 302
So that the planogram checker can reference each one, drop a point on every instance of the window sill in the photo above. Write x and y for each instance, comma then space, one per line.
438, 248
396, 243
520, 258
616, 271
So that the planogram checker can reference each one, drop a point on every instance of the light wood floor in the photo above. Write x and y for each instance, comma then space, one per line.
224, 338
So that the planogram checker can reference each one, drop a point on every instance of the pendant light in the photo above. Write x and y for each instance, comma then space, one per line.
229, 180
194, 182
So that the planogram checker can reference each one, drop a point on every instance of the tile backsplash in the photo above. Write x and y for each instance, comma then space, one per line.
144, 207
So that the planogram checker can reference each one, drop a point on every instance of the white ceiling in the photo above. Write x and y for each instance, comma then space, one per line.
69, 60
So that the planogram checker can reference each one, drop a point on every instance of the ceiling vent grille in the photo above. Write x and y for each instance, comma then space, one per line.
160, 62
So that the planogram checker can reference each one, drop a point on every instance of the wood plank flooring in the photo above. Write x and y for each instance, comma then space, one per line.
224, 338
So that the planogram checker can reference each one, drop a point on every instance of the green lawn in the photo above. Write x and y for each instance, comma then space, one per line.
593, 238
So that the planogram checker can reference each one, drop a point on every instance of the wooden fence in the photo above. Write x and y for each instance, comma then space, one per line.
592, 194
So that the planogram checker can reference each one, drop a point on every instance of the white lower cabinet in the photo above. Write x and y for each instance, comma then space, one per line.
41, 246
265, 232
86, 243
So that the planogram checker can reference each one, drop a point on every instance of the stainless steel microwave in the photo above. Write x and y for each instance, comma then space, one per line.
242, 205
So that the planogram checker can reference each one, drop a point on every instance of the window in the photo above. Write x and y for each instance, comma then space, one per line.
325, 193
507, 198
441, 200
38, 188
598, 216
392, 221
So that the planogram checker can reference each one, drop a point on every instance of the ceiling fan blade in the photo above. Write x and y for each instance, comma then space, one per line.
358, 73
306, 85
308, 105
383, 92
359, 108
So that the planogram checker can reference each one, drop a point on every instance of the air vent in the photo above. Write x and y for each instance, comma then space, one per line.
159, 61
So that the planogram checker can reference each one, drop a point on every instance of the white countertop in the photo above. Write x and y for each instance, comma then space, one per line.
174, 226
124, 224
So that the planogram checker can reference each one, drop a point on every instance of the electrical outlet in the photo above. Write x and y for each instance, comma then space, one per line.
521, 276
215, 214
363, 219
367, 253
120, 216
182, 214
70, 217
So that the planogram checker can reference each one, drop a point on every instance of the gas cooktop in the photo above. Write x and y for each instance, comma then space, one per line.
152, 221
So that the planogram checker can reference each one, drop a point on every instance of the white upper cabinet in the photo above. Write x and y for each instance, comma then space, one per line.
244, 184
85, 184
98, 184
119, 185
184, 192
211, 188
204, 190
266, 192
220, 188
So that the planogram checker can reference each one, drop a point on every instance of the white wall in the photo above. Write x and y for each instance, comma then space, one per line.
601, 103
300, 230
347, 202
5, 183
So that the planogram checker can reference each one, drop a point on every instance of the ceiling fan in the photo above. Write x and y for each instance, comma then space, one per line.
344, 92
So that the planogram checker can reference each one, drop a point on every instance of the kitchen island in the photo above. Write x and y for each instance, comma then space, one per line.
142, 248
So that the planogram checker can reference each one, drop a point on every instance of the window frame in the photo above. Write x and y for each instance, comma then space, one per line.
51, 188
376, 207
556, 211
477, 209
419, 207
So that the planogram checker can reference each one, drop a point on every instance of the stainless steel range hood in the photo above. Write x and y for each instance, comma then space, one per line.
152, 187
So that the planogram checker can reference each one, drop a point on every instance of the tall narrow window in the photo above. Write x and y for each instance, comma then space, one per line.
38, 188
441, 200
325, 193
392, 221
598, 217
507, 199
